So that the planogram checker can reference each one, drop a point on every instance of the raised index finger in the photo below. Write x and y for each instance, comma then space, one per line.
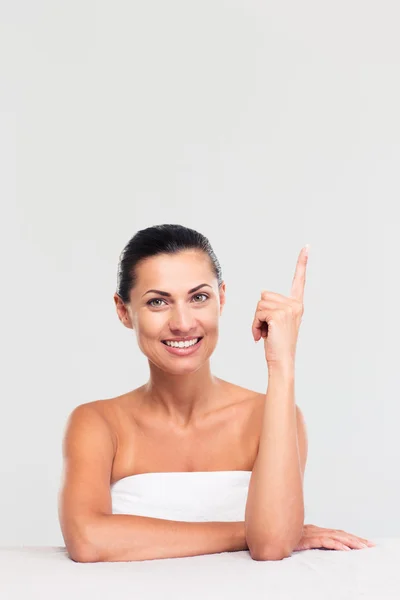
299, 279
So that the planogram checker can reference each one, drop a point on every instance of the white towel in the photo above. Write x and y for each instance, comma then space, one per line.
183, 496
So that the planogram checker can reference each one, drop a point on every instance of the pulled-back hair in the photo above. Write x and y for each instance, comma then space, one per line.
159, 239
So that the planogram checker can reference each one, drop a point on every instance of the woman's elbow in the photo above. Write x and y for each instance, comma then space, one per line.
270, 554
82, 554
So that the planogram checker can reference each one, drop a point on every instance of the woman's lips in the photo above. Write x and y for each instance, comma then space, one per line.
183, 351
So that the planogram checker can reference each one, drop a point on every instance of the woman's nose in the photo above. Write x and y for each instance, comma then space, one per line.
181, 319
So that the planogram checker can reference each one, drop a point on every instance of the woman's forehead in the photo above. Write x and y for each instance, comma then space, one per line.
174, 267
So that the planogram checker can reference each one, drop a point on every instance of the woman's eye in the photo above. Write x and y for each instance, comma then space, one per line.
205, 295
154, 300
161, 300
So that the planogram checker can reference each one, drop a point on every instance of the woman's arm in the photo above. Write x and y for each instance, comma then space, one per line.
274, 516
119, 537
93, 534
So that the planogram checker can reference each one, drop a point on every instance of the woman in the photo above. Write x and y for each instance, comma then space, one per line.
187, 425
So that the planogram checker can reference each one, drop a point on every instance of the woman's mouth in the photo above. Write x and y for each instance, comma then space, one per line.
183, 351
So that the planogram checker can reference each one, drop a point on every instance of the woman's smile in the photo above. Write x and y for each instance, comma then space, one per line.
183, 351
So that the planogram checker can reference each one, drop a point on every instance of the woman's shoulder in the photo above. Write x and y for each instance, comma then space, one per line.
238, 394
111, 408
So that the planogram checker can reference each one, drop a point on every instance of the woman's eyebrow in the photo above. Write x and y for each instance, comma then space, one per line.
169, 295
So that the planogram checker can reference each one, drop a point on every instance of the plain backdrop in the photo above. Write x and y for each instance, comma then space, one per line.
263, 125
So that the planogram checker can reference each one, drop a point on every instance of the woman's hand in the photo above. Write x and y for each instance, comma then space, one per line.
333, 539
277, 318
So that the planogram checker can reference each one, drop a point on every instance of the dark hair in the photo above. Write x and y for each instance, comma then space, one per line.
159, 239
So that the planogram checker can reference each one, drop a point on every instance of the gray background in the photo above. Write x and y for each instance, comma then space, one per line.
264, 125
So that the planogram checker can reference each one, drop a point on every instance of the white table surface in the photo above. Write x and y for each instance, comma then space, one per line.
47, 573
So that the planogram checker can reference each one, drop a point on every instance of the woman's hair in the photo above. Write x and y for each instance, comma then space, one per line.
159, 239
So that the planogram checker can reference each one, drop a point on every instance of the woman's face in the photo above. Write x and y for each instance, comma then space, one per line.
156, 317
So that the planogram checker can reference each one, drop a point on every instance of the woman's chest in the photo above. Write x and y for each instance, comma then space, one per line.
227, 442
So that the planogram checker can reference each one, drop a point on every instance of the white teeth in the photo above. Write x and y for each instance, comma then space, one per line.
182, 344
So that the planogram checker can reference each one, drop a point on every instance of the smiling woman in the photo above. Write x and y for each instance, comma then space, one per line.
155, 299
143, 471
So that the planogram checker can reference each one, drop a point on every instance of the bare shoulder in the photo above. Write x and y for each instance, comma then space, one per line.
242, 401
119, 412
104, 409
107, 406
242, 394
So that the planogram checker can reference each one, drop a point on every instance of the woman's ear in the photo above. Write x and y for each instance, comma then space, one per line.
123, 312
222, 297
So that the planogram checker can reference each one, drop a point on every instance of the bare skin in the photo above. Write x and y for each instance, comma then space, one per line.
226, 439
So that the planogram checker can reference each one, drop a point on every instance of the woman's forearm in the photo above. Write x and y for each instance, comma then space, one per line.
274, 515
121, 537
